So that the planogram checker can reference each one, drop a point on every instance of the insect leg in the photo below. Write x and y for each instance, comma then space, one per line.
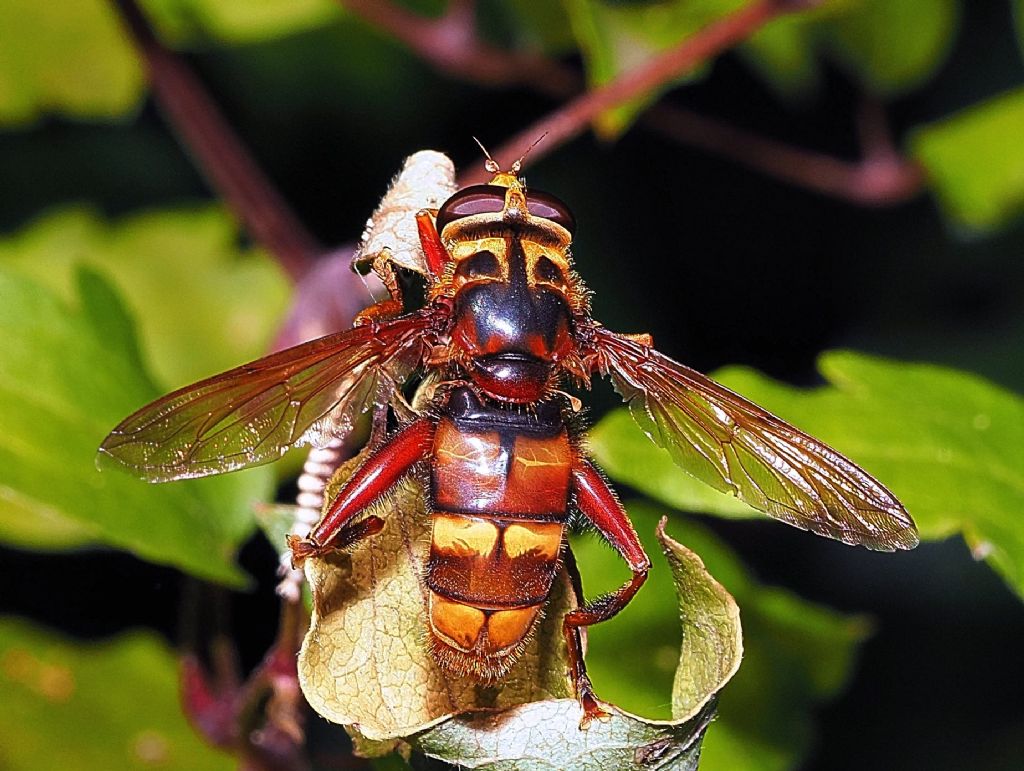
393, 306
433, 247
599, 504
370, 482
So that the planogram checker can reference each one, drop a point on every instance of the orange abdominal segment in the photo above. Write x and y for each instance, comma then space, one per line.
500, 496
512, 569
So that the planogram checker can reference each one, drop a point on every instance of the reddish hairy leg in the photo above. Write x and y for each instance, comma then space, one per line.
599, 504
433, 248
372, 480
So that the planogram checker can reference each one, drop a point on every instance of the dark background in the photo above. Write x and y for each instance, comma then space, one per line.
721, 264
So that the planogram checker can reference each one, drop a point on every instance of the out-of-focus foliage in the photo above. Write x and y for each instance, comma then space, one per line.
976, 161
69, 57
948, 443
893, 45
617, 37
73, 57
796, 654
238, 21
153, 260
70, 371
110, 704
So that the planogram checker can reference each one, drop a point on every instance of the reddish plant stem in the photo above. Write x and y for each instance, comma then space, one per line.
881, 179
572, 119
218, 151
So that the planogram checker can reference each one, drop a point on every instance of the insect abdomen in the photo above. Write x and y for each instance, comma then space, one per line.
499, 493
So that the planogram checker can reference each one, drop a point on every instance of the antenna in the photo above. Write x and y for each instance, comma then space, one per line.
519, 164
491, 165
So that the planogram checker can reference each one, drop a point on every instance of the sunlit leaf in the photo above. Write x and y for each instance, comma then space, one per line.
74, 57
975, 161
68, 373
90, 706
949, 444
202, 303
893, 45
240, 21
796, 655
712, 647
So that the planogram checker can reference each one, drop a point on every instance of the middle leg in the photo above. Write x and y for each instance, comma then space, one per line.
599, 504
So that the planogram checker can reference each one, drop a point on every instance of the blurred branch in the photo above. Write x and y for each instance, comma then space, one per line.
880, 179
218, 151
450, 43
572, 119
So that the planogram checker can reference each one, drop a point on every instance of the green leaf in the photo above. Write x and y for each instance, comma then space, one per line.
104, 705
949, 444
545, 735
74, 57
797, 655
893, 45
712, 646
65, 380
783, 53
202, 303
239, 21
975, 161
618, 37
538, 25
70, 57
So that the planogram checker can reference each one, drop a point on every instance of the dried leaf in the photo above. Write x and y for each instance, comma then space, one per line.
426, 180
365, 662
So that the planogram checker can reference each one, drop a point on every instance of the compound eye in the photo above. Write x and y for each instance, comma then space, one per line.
480, 265
550, 208
476, 199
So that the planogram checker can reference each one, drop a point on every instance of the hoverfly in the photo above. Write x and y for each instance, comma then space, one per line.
504, 325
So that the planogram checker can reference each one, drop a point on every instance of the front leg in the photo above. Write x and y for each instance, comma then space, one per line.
368, 484
385, 309
599, 504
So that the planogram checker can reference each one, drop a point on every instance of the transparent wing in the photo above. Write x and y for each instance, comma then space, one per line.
252, 414
736, 447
